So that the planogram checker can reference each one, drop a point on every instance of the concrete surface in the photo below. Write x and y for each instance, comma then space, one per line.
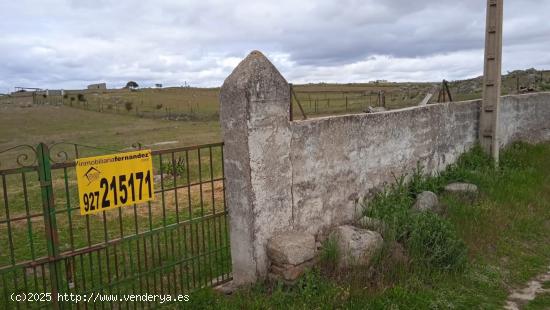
255, 126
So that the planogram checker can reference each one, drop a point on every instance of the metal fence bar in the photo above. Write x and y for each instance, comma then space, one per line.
48, 203
160, 247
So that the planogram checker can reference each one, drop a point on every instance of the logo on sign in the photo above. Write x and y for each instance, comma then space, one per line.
92, 175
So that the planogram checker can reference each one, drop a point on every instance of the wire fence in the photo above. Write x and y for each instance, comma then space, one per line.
188, 104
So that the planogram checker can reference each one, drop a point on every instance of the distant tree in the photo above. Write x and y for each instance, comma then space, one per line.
129, 105
132, 85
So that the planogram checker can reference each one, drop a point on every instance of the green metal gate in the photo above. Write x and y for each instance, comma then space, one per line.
169, 247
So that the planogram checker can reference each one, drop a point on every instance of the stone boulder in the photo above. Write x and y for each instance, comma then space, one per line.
375, 109
290, 273
291, 253
426, 201
226, 288
461, 188
291, 248
356, 246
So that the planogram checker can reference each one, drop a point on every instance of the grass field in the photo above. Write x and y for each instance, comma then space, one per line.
50, 124
202, 104
161, 240
505, 230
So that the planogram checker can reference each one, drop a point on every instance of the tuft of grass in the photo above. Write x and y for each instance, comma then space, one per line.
329, 254
431, 240
434, 243
541, 302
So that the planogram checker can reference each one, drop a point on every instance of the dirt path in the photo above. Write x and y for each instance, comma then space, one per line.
520, 297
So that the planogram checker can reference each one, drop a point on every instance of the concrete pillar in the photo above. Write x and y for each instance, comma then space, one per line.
490, 110
254, 115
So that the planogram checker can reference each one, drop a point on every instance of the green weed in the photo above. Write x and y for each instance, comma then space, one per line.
329, 254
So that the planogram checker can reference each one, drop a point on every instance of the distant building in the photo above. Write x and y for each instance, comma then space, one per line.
55, 92
98, 86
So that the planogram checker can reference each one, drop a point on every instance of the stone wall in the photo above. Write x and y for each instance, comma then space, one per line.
525, 118
337, 160
310, 175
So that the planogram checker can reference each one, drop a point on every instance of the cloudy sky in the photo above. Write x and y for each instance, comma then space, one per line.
71, 43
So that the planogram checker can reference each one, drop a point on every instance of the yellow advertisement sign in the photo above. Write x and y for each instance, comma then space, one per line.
112, 181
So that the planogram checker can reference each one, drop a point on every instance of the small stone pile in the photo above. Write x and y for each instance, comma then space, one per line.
292, 253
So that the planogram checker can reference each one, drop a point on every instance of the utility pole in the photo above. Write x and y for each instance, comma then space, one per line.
489, 119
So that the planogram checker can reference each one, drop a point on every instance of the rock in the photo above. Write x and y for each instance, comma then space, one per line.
227, 288
426, 201
372, 224
292, 248
461, 188
291, 272
375, 110
318, 245
356, 246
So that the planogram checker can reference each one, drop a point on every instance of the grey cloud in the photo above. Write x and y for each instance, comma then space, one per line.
67, 43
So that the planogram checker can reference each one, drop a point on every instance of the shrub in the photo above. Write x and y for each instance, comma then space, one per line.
434, 243
129, 106
81, 97
431, 240
177, 168
308, 286
392, 206
159, 106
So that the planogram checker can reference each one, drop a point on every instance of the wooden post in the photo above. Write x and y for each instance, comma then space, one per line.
346, 103
290, 100
489, 126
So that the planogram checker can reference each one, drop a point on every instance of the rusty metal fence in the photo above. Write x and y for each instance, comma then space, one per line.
174, 245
